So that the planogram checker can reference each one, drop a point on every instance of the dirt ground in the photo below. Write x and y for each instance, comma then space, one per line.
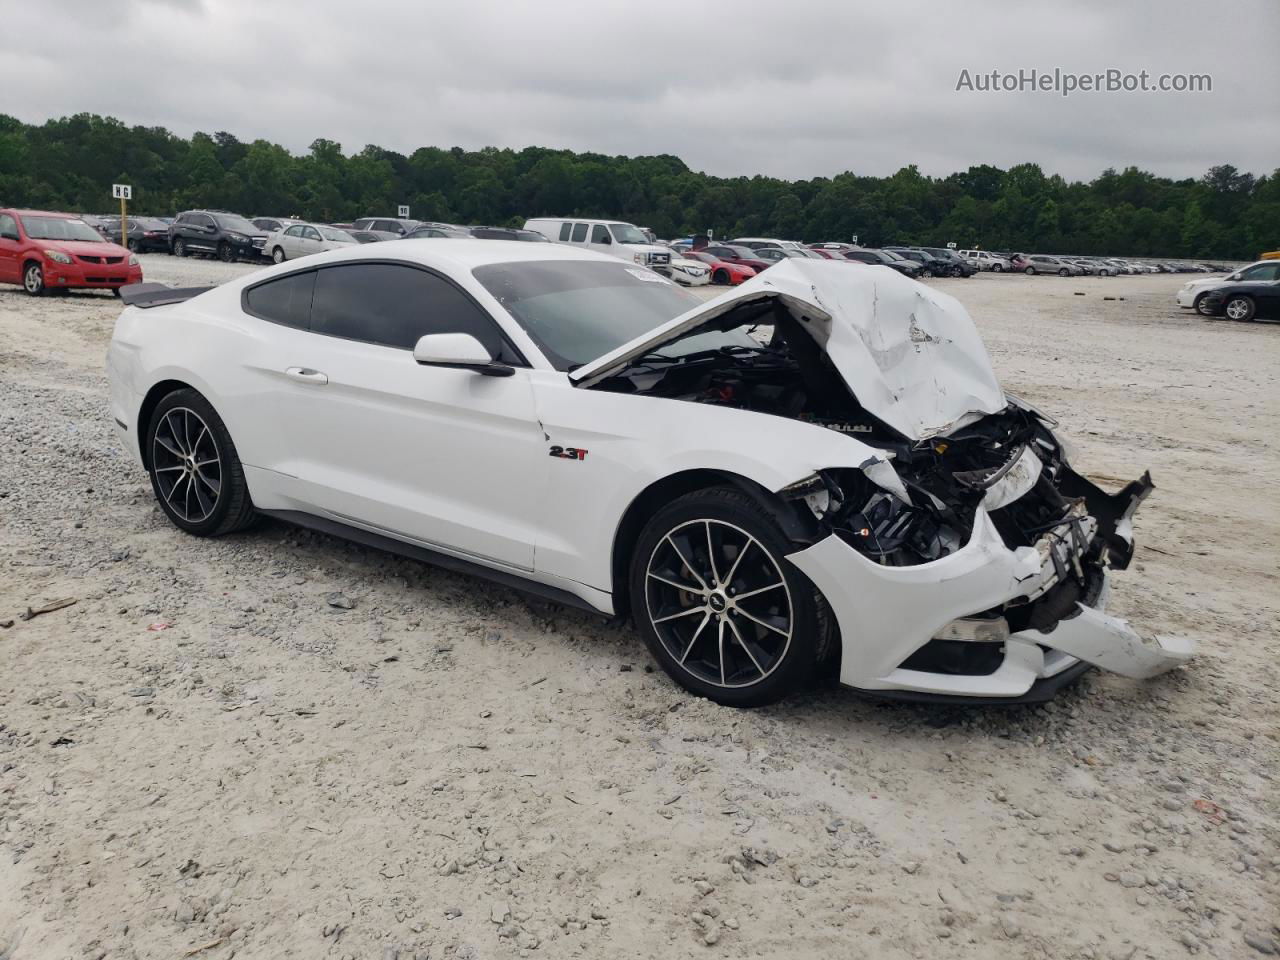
204, 756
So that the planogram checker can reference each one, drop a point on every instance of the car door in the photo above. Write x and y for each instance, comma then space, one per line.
309, 240
448, 458
203, 234
10, 249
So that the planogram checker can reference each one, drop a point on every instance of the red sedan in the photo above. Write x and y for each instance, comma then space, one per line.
59, 251
722, 271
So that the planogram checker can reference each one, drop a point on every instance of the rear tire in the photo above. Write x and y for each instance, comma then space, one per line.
720, 276
997, 268
719, 607
1030, 271
196, 473
135, 246
1064, 272
33, 278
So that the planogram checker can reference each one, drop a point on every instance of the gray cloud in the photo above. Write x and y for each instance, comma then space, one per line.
745, 87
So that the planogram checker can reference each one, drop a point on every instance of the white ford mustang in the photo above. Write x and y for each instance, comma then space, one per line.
816, 470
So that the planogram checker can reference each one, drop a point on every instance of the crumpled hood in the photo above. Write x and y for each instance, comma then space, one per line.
909, 354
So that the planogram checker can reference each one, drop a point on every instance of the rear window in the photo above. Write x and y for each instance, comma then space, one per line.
286, 300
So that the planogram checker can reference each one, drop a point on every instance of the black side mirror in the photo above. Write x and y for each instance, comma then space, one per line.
607, 239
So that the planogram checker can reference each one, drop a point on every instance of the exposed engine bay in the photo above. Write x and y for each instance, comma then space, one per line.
1010, 462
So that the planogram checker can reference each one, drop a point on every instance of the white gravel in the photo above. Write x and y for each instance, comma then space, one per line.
203, 752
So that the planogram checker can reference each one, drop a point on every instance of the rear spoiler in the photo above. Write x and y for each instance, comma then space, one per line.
146, 295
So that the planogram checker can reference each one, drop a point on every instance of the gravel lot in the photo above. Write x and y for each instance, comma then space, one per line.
279, 745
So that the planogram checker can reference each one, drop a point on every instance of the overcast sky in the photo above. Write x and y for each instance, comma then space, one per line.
791, 89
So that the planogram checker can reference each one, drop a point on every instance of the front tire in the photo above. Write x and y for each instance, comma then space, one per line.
997, 268
1240, 308
225, 253
1198, 306
195, 471
33, 279
1030, 271
135, 246
721, 277
719, 607
1064, 272
179, 248
277, 255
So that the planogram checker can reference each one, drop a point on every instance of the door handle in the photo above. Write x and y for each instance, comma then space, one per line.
307, 375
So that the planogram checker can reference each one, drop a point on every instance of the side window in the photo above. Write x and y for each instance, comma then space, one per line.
579, 232
600, 234
310, 233
293, 232
564, 230
286, 301
394, 305
200, 220
8, 225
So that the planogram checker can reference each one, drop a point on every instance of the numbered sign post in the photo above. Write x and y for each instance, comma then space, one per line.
403, 213
951, 245
124, 193
855, 239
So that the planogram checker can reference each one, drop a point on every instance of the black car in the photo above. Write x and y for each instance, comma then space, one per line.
437, 231
959, 266
373, 236
145, 233
228, 236
1259, 300
882, 258
934, 266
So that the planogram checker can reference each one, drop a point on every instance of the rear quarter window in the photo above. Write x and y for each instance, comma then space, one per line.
286, 301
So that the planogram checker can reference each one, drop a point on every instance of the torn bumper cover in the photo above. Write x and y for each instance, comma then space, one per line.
988, 622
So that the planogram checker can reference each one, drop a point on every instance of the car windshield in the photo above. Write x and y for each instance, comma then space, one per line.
626, 233
578, 310
332, 233
229, 221
59, 228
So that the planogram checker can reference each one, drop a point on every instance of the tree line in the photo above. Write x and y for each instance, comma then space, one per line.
71, 162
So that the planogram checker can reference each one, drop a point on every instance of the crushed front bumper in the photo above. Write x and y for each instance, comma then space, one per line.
887, 614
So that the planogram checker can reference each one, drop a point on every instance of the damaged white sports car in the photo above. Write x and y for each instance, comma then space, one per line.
816, 470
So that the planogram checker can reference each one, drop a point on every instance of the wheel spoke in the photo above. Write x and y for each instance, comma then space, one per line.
751, 593
168, 497
738, 559
711, 554
688, 566
684, 587
168, 446
683, 613
694, 639
214, 487
167, 469
768, 626
720, 648
202, 499
743, 644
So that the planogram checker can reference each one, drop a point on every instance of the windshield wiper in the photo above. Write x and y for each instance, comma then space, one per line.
728, 350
